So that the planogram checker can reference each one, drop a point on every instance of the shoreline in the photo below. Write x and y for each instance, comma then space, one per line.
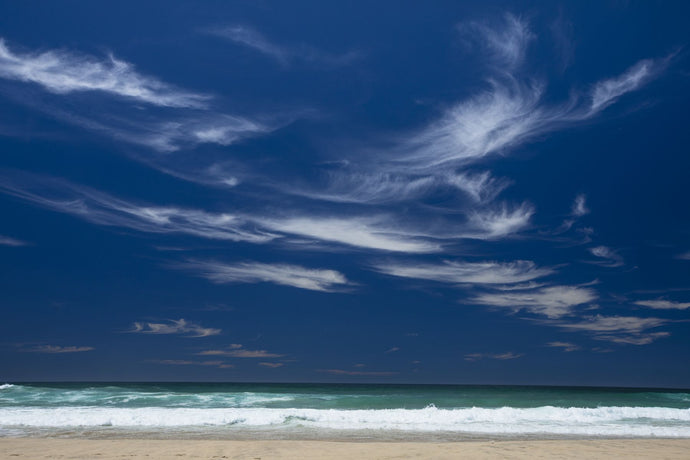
336, 436
107, 449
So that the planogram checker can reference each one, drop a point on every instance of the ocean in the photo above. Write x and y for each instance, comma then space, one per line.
331, 411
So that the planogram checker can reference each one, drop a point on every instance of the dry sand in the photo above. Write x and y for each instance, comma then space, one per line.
38, 448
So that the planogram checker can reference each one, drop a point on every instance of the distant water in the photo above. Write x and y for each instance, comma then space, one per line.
339, 411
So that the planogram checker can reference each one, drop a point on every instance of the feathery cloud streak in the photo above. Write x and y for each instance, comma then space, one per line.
505, 45
56, 349
183, 362
579, 207
373, 232
255, 272
367, 187
468, 272
171, 118
172, 326
489, 224
550, 301
661, 304
284, 55
606, 92
509, 112
174, 132
237, 350
363, 232
611, 257
8, 241
103, 209
499, 356
64, 72
618, 329
566, 346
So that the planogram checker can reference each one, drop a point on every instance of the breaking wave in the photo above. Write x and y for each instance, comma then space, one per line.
602, 421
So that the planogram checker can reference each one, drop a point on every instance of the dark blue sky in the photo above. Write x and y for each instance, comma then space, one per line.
372, 191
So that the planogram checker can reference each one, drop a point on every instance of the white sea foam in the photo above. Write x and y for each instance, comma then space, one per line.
114, 397
604, 421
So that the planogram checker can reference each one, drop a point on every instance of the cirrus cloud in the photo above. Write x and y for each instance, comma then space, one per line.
63, 72
172, 326
256, 272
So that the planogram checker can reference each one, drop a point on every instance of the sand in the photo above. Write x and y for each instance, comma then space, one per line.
38, 448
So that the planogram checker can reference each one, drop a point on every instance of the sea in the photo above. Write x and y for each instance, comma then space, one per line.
338, 412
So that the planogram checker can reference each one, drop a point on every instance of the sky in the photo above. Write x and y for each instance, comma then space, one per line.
398, 192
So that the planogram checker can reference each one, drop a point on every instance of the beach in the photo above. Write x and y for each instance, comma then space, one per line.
34, 448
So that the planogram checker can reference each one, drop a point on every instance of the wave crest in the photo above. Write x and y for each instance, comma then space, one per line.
613, 421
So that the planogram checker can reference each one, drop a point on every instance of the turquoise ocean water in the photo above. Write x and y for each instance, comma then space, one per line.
314, 411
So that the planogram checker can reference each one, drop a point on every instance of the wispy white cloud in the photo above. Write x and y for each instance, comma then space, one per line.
255, 272
386, 233
512, 110
563, 41
346, 185
606, 92
55, 349
505, 45
504, 116
551, 301
64, 72
467, 272
636, 339
482, 187
566, 346
103, 209
252, 39
183, 362
9, 241
172, 326
271, 365
366, 187
183, 131
372, 232
519, 287
508, 113
684, 256
611, 257
375, 232
392, 350
489, 122
379, 232
579, 207
283, 54
662, 304
143, 111
166, 132
491, 224
499, 356
577, 210
618, 329
236, 350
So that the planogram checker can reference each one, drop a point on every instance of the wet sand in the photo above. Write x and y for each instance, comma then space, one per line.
38, 448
